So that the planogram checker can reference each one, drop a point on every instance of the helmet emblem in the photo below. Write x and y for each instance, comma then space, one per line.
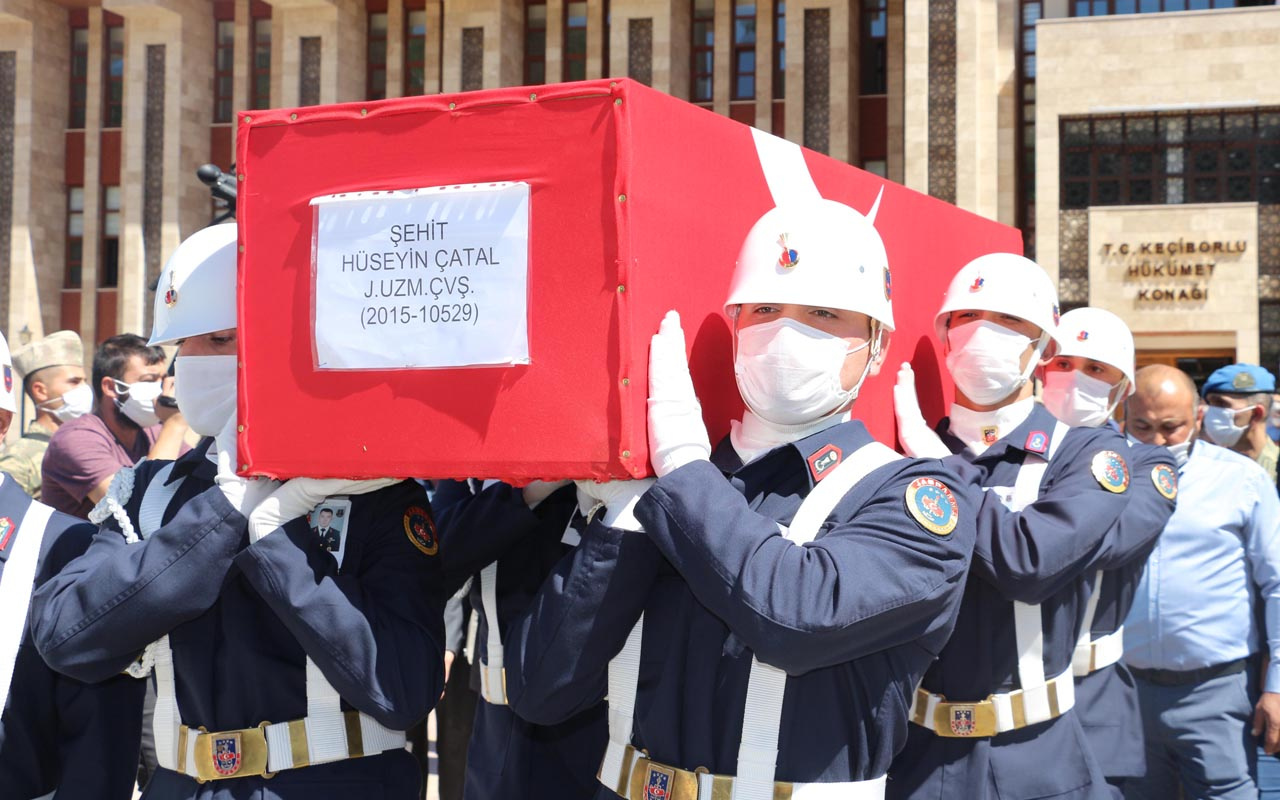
171, 296
888, 284
789, 259
1056, 315
1083, 336
977, 284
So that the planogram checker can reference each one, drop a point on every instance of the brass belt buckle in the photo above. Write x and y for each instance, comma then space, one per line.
231, 754
965, 720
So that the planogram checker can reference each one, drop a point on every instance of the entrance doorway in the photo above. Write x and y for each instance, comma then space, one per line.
1198, 363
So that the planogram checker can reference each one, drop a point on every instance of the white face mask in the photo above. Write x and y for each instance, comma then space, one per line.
1220, 425
1181, 451
140, 404
75, 403
789, 373
985, 360
206, 391
1077, 399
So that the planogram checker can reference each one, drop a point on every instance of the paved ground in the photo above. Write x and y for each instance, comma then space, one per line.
432, 780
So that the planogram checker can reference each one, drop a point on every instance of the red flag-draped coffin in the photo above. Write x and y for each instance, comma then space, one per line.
638, 203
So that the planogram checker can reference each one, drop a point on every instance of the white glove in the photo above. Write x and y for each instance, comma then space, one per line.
677, 434
299, 495
538, 491
619, 499
244, 494
917, 438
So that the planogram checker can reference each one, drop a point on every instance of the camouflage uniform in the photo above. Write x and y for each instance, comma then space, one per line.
22, 459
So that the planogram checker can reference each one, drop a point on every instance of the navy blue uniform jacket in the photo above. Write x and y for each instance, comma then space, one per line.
241, 618
1046, 554
508, 755
854, 618
1107, 700
57, 732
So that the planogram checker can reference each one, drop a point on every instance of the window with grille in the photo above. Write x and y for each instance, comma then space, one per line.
113, 72
535, 42
1221, 156
875, 20
702, 71
79, 76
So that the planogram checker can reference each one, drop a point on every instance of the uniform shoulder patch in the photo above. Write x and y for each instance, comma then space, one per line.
421, 530
823, 461
1110, 470
6, 532
931, 503
1166, 480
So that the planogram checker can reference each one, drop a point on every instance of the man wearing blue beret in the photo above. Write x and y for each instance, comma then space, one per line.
1237, 402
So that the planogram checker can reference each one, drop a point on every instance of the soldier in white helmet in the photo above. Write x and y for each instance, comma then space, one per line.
56, 733
994, 716
1089, 376
282, 672
794, 583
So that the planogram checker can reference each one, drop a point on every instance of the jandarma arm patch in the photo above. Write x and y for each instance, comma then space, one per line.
1166, 480
1111, 471
932, 504
421, 530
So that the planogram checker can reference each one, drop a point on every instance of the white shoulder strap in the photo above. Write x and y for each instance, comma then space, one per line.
767, 685
492, 682
15, 588
1028, 627
624, 678
158, 494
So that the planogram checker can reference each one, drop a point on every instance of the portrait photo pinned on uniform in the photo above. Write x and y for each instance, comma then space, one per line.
1111, 471
932, 504
421, 530
329, 521
1166, 480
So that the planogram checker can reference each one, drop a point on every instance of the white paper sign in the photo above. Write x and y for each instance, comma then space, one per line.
422, 278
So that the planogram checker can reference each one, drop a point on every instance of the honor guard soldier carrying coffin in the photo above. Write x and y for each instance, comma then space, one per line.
1090, 375
281, 671
784, 593
53, 376
993, 717
510, 540
56, 733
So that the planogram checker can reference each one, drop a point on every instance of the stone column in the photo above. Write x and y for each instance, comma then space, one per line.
168, 108
33, 209
341, 26
92, 182
976, 115
895, 101
395, 47
492, 57
915, 104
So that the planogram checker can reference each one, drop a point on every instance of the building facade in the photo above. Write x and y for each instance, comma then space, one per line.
1104, 129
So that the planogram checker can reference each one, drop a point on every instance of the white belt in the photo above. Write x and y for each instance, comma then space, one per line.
493, 679
998, 713
316, 739
1101, 652
679, 784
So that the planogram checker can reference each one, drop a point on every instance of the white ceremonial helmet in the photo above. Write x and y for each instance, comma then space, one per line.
6, 371
815, 253
1097, 334
1003, 283
196, 293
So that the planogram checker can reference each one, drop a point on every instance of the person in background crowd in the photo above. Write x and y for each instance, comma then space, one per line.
510, 540
785, 592
1237, 405
1090, 375
53, 377
1210, 597
127, 424
279, 674
994, 716
57, 735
